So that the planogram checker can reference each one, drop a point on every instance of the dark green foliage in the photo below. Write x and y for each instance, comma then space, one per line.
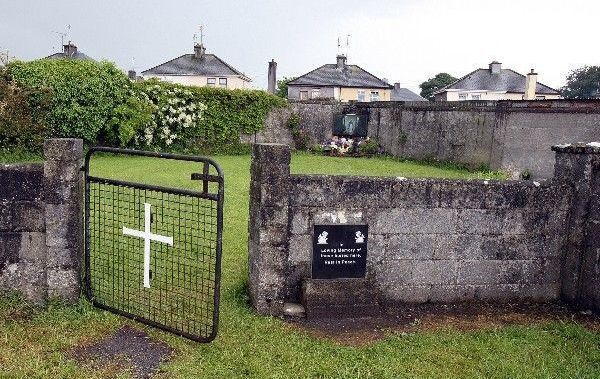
128, 120
84, 93
22, 110
97, 102
282, 86
583, 83
402, 137
301, 138
431, 85
368, 147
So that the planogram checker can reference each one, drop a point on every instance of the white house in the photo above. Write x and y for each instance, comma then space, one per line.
199, 69
496, 83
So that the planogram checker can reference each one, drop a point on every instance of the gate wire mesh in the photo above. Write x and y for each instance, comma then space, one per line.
183, 293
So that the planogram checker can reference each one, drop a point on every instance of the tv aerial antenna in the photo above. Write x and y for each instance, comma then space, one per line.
63, 35
347, 44
201, 29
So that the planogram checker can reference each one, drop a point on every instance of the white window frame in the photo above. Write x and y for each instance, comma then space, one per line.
211, 82
374, 96
305, 95
462, 96
361, 95
221, 84
540, 97
476, 96
315, 93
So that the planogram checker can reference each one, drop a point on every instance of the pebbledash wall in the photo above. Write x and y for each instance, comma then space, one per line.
430, 240
40, 224
512, 136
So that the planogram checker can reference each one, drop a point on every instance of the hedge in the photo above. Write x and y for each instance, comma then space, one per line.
97, 102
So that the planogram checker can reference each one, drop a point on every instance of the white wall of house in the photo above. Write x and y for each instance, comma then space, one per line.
487, 95
230, 82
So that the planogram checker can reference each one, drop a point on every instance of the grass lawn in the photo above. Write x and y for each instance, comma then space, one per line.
253, 346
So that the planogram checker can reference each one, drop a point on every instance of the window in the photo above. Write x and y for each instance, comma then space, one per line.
462, 96
361, 95
223, 82
315, 93
374, 95
475, 97
539, 97
303, 95
211, 82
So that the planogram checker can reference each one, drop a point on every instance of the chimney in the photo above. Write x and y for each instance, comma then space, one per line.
272, 78
495, 67
199, 50
69, 50
341, 61
131, 74
530, 86
397, 86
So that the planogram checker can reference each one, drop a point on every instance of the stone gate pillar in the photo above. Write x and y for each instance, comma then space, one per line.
63, 193
579, 166
267, 243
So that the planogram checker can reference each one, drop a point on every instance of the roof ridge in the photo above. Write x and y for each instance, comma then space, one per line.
231, 67
310, 72
169, 61
387, 84
537, 82
447, 86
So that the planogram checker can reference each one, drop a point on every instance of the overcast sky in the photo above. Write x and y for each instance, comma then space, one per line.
404, 41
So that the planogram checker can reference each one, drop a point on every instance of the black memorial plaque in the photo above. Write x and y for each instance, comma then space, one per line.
339, 251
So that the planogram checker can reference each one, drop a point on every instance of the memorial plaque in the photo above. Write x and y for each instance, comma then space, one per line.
339, 251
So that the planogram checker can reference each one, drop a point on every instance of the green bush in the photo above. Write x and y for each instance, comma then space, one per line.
84, 94
22, 112
368, 146
97, 102
213, 117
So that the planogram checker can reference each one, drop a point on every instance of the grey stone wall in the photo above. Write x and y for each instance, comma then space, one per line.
430, 240
324, 92
506, 135
63, 189
23, 230
578, 166
41, 224
268, 237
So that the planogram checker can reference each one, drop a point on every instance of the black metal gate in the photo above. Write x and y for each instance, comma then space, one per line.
153, 253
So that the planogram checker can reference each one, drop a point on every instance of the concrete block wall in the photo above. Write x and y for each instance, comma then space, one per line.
41, 224
438, 240
578, 166
512, 136
23, 230
430, 240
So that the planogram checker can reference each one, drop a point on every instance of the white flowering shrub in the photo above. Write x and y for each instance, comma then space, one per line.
176, 115
198, 119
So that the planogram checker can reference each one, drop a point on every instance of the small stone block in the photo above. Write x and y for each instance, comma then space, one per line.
293, 310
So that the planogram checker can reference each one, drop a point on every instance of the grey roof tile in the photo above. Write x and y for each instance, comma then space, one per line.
404, 94
188, 64
507, 80
331, 75
77, 56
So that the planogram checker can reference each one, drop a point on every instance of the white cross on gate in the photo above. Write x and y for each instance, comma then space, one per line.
148, 236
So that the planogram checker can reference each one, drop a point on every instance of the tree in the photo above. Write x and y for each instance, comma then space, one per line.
583, 83
282, 86
433, 84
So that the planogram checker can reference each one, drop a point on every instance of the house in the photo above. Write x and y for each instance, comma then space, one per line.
339, 81
496, 83
70, 52
199, 69
404, 94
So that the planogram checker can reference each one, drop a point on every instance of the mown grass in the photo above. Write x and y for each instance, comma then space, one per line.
264, 347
